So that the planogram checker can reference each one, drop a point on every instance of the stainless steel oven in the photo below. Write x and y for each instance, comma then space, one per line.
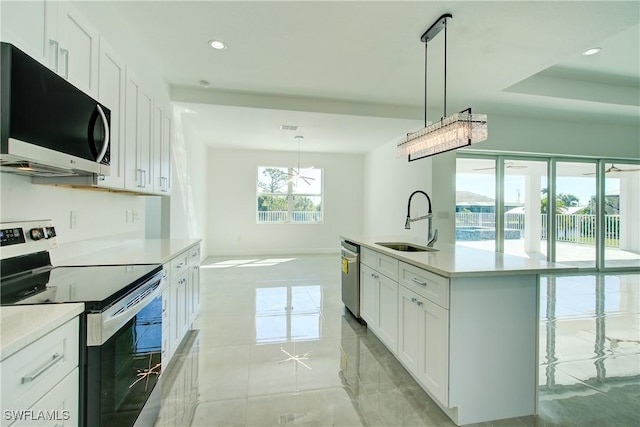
121, 327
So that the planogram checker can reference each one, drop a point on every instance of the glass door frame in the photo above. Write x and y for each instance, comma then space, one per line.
552, 161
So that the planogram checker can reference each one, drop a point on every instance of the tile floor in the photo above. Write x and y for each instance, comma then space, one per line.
272, 346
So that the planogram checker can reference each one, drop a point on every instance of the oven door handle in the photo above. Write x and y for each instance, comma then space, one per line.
133, 309
102, 326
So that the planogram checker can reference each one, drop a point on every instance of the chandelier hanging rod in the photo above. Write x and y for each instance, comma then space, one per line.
450, 132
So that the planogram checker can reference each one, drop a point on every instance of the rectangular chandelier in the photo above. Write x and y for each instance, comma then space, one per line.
456, 131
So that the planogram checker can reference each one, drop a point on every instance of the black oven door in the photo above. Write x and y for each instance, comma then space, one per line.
122, 372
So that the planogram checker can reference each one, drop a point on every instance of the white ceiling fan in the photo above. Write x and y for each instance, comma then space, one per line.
507, 165
295, 175
614, 168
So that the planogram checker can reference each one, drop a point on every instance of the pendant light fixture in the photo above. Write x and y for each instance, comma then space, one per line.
295, 175
450, 132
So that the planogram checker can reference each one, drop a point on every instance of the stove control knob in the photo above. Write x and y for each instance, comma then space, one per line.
50, 232
36, 233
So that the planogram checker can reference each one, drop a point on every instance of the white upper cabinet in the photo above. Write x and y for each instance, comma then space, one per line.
156, 148
138, 132
78, 43
57, 35
145, 153
29, 25
165, 152
161, 150
61, 38
111, 93
132, 92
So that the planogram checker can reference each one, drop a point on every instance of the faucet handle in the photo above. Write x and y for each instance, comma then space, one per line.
431, 240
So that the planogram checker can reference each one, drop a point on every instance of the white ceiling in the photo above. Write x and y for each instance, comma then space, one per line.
350, 74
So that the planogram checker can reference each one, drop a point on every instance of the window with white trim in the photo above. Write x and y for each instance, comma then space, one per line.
289, 195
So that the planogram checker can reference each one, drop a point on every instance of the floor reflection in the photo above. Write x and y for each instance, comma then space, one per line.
316, 365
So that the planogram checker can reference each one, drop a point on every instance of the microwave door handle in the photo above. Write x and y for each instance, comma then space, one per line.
105, 143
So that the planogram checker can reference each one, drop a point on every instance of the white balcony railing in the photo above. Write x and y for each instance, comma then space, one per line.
574, 228
285, 216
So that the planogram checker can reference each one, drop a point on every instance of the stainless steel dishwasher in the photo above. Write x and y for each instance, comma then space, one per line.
351, 277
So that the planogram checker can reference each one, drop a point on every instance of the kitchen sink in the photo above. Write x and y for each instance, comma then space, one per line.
406, 247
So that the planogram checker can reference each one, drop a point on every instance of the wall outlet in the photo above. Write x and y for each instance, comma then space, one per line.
73, 220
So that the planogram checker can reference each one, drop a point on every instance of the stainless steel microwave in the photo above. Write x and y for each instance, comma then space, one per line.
48, 127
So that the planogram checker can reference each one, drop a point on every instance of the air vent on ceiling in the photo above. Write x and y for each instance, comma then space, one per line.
288, 127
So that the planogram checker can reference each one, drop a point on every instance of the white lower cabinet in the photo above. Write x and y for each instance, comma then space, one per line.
369, 296
379, 300
406, 317
180, 300
43, 376
59, 405
423, 342
450, 332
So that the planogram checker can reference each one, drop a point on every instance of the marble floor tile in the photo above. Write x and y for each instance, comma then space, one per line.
273, 346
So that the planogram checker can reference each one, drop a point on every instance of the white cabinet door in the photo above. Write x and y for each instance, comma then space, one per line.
31, 27
388, 312
408, 315
132, 95
165, 152
111, 93
194, 281
156, 148
369, 296
423, 342
78, 44
138, 131
61, 402
178, 314
433, 350
145, 120
166, 327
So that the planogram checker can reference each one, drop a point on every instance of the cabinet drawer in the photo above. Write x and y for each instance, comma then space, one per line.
28, 374
368, 257
194, 255
179, 265
63, 398
381, 263
431, 286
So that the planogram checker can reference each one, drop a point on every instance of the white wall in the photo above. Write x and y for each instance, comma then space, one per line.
232, 204
389, 181
99, 213
561, 137
189, 183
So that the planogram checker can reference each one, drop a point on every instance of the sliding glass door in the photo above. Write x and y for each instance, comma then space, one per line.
525, 208
581, 212
476, 203
621, 215
575, 213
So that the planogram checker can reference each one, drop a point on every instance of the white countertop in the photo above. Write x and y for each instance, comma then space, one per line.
23, 324
460, 261
118, 252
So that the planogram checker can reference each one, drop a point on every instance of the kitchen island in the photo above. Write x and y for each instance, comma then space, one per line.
462, 321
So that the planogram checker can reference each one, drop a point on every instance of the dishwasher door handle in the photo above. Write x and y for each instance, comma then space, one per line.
348, 255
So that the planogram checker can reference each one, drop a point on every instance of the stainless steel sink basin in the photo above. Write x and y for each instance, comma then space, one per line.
406, 247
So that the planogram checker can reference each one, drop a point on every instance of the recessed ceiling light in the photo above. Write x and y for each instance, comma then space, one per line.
298, 137
217, 44
592, 51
